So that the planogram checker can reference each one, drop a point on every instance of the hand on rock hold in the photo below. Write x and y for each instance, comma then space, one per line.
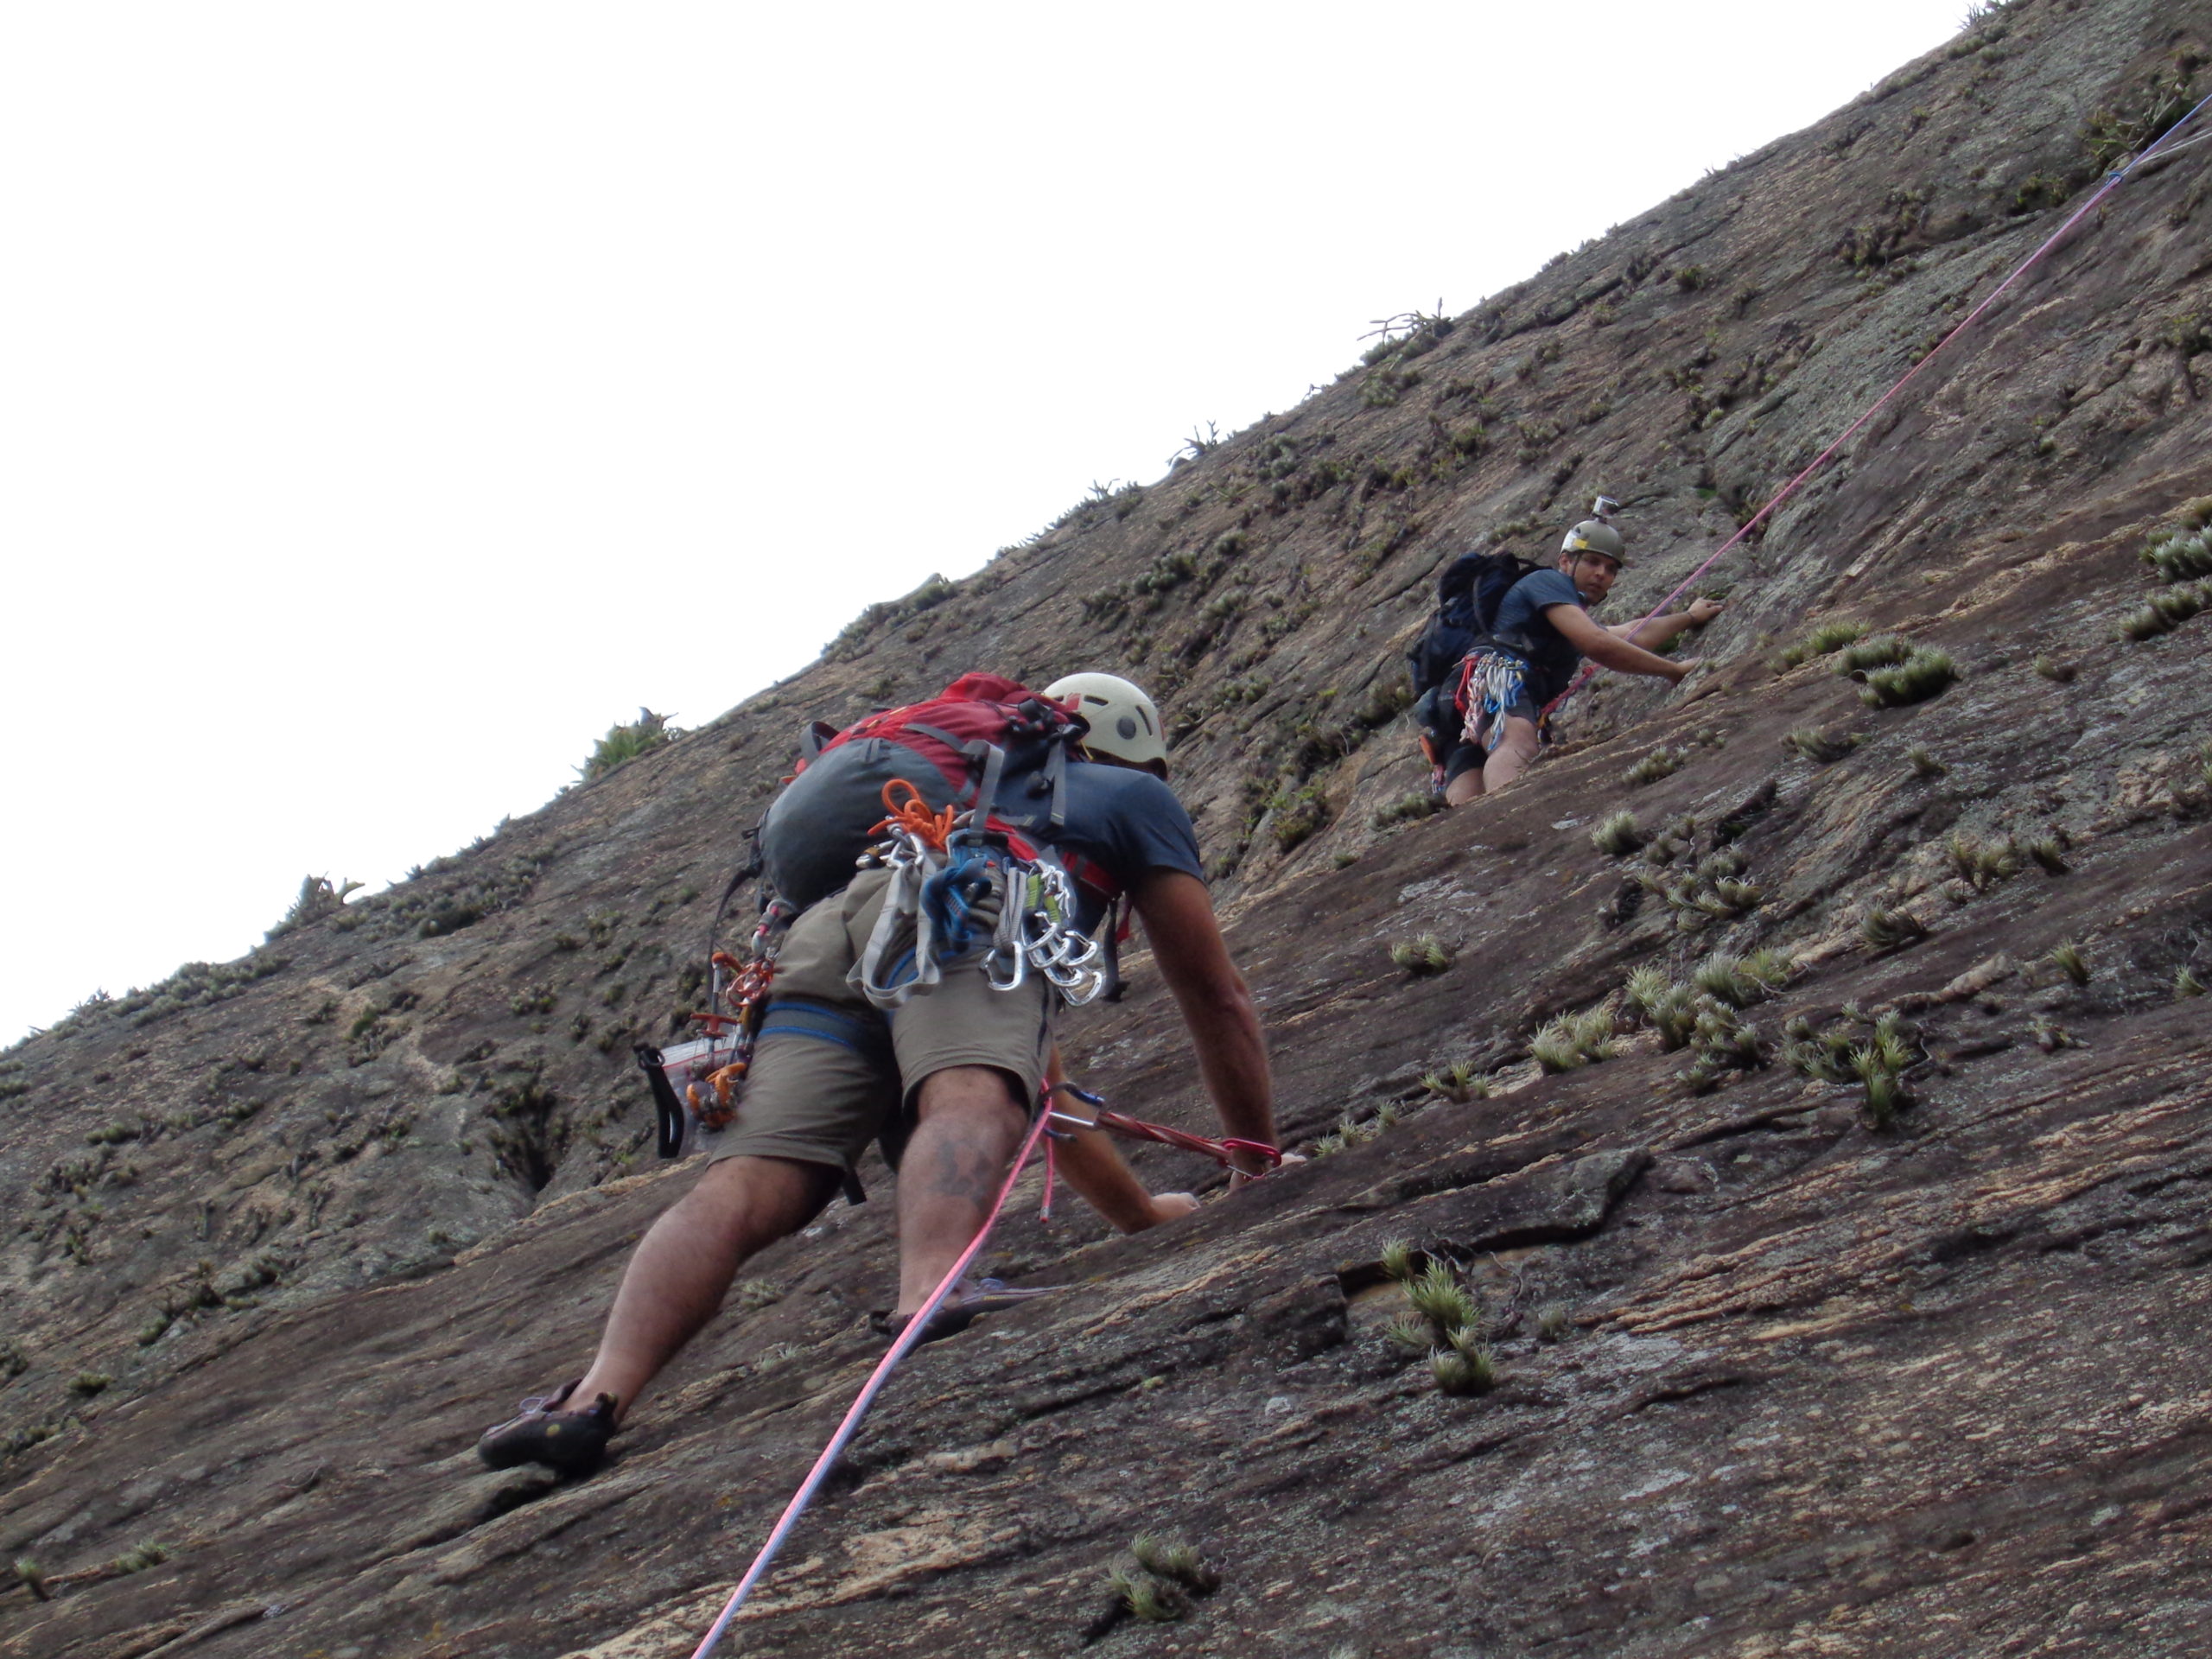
1170, 1206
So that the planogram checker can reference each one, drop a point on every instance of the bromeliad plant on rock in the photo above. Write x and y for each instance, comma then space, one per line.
1923, 674
1878, 1060
1574, 1040
1422, 956
1459, 1082
1445, 1322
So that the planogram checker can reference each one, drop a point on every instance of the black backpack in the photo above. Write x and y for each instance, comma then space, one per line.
1468, 594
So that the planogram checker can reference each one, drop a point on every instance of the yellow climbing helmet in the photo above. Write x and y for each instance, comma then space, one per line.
1124, 722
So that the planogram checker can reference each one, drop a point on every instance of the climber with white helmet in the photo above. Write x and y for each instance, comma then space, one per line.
918, 969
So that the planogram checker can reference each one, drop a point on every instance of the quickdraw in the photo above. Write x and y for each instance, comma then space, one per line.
1222, 1151
1039, 932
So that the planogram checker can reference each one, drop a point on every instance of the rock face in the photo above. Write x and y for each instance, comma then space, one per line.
1866, 1317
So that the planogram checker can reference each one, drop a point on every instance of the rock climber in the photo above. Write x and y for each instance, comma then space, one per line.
948, 1081
1537, 638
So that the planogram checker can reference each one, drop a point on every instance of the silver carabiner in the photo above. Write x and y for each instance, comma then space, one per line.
1010, 977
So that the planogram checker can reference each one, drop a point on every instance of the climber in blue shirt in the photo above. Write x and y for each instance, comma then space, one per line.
1541, 633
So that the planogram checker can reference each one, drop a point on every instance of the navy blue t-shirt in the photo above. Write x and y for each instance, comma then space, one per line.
1126, 822
1522, 628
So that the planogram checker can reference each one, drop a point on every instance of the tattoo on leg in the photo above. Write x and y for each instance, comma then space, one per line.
964, 1174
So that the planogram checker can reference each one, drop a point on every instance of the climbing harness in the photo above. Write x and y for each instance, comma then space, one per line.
694, 1084
947, 877
900, 1346
951, 868
2112, 182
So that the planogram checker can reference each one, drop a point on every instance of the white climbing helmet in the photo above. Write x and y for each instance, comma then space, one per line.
1123, 721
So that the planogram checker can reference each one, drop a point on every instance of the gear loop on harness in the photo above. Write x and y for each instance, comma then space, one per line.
696, 1085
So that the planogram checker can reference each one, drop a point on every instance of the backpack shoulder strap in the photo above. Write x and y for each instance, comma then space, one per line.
987, 791
814, 737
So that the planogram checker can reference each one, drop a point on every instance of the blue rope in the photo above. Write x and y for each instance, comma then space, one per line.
951, 894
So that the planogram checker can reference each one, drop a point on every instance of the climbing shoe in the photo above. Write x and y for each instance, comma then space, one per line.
569, 1442
947, 1321
969, 1298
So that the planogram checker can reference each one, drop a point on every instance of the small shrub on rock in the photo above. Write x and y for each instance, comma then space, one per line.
1826, 638
1923, 674
1422, 956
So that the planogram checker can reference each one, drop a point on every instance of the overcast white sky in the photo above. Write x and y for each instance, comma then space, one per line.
393, 397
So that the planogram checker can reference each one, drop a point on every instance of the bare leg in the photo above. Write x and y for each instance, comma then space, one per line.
682, 1268
1466, 787
969, 1126
1512, 755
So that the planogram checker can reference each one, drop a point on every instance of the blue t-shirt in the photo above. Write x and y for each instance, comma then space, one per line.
1522, 628
1125, 821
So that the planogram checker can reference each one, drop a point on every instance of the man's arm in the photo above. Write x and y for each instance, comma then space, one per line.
1608, 650
1654, 633
1094, 1167
1178, 923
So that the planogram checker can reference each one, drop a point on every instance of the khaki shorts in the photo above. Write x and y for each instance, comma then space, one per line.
833, 1071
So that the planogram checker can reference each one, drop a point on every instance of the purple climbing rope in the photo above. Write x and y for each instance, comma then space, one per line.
2112, 182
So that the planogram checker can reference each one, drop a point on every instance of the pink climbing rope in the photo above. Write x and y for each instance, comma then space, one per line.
2112, 182
900, 1348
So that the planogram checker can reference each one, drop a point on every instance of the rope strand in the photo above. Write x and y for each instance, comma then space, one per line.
900, 1346
2112, 182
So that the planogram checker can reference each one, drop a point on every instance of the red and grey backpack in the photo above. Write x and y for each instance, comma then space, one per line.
984, 740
